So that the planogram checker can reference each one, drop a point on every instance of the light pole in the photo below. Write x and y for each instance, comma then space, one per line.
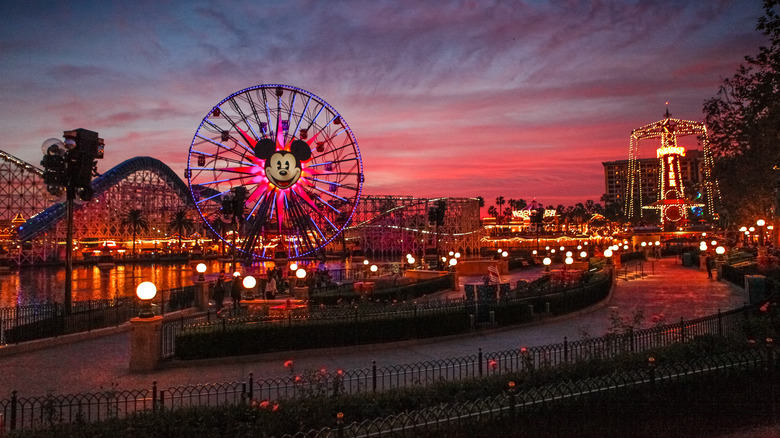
71, 165
761, 224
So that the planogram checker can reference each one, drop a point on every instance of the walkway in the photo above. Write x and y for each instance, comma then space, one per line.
667, 293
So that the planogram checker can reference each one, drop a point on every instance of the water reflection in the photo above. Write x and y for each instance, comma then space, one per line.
33, 285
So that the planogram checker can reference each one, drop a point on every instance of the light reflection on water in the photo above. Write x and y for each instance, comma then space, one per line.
33, 285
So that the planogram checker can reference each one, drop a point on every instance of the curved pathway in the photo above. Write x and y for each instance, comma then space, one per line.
667, 293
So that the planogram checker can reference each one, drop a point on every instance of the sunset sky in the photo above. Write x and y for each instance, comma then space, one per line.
521, 99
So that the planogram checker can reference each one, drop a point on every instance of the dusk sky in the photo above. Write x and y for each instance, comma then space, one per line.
521, 99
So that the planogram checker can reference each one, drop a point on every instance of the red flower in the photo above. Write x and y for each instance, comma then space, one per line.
288, 364
493, 364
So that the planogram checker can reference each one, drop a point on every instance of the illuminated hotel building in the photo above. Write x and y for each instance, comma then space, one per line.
615, 182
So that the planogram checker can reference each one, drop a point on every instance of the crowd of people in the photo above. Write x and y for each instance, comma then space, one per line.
276, 283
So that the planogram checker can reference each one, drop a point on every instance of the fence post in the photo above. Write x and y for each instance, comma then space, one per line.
631, 339
13, 410
340, 425
479, 361
373, 375
565, 349
720, 324
770, 365
651, 370
154, 395
251, 386
682, 330
512, 400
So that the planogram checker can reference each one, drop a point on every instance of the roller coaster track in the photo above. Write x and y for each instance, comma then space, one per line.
49, 217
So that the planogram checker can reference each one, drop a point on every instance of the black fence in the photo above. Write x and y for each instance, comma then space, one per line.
32, 412
507, 406
28, 323
544, 298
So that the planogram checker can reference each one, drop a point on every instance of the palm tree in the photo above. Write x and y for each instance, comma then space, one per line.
180, 223
500, 203
135, 219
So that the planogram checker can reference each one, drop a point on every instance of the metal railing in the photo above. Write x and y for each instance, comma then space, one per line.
506, 406
376, 311
31, 412
27, 323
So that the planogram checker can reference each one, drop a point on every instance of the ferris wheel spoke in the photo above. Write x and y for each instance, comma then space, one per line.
257, 223
346, 160
256, 117
304, 222
300, 118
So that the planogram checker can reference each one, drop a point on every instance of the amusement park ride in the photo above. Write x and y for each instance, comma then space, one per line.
250, 178
291, 160
674, 207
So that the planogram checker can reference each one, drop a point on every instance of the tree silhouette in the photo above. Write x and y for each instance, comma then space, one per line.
180, 223
136, 220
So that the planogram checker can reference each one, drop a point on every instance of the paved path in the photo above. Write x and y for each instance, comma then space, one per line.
668, 292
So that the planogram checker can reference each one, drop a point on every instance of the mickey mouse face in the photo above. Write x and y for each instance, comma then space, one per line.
282, 168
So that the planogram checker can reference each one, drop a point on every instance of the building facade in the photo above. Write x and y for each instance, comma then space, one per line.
616, 183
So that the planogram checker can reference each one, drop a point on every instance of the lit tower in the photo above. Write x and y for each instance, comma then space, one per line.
672, 203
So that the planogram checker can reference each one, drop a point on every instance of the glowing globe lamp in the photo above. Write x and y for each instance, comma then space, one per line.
146, 292
720, 250
608, 252
293, 266
249, 282
201, 268
300, 273
374, 268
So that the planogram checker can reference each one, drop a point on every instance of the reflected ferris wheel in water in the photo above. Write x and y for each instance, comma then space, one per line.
282, 165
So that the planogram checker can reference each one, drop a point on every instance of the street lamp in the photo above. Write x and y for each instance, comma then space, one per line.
761, 224
546, 263
146, 292
201, 269
300, 274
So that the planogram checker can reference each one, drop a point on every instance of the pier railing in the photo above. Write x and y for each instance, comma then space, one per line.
46, 320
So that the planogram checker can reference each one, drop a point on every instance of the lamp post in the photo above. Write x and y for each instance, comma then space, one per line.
761, 224
546, 263
71, 165
146, 292
145, 340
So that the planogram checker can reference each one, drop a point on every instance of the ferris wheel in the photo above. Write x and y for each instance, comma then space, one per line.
281, 165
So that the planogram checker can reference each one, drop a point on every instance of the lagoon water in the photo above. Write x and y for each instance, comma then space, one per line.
34, 285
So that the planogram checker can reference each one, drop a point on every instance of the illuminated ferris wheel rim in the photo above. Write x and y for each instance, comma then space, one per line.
283, 116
